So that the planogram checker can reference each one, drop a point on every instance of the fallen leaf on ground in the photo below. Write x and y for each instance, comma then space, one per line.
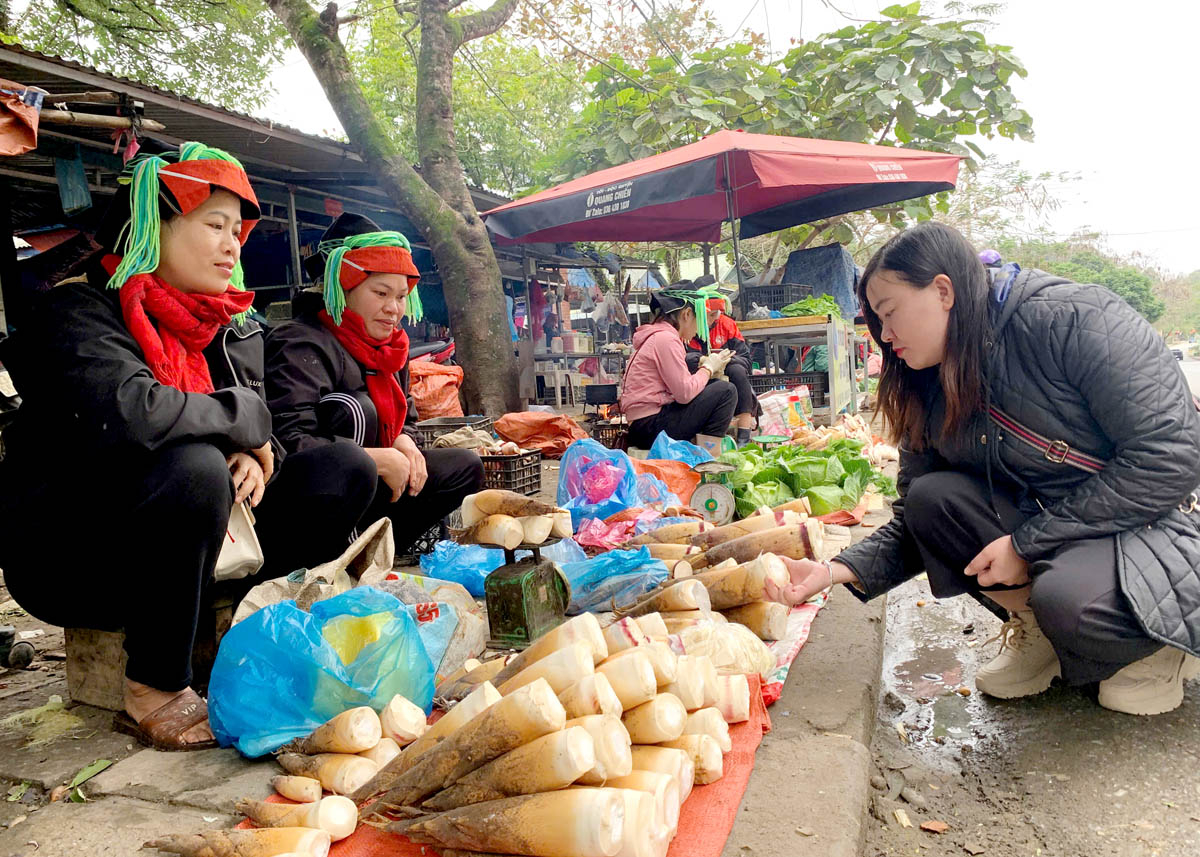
973, 849
805, 831
58, 793
90, 771
902, 817
17, 792
934, 826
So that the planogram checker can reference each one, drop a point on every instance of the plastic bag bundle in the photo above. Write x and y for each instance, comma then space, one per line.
595, 482
282, 672
470, 565
733, 648
613, 580
666, 448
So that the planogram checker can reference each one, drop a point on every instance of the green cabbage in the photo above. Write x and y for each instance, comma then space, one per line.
770, 493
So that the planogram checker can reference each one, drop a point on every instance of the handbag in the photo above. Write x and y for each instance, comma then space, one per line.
241, 554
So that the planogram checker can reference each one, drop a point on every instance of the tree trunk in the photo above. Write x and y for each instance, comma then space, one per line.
439, 202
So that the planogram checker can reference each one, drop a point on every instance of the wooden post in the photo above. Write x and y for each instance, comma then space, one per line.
294, 241
706, 249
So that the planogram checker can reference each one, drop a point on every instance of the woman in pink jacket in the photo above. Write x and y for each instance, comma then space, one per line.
660, 393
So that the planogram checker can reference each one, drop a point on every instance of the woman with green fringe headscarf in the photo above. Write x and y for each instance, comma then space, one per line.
659, 392
339, 372
143, 424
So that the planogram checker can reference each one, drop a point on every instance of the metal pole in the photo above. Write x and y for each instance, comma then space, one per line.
731, 212
294, 240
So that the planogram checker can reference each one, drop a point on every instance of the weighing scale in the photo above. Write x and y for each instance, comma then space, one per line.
713, 497
525, 598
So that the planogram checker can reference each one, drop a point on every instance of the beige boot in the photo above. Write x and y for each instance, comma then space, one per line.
1026, 664
1153, 685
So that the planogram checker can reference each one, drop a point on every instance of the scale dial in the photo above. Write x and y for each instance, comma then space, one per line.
714, 501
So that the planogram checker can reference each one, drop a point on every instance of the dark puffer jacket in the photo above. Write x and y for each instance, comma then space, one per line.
1076, 363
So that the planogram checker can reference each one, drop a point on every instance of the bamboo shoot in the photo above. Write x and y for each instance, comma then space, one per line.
631, 677
476, 702
560, 669
499, 530
688, 686
528, 713
705, 754
687, 594
666, 760
767, 620
252, 842
403, 721
592, 694
708, 721
661, 719
672, 533
585, 627
338, 773
709, 670
744, 583
737, 529
800, 506
551, 762
663, 787
624, 634
336, 815
537, 528
652, 625
642, 836
349, 732
299, 789
610, 741
733, 698
383, 752
495, 501
801, 540
671, 552
564, 823
662, 659
562, 527
461, 686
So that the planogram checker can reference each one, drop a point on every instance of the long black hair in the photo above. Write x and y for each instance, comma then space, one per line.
918, 255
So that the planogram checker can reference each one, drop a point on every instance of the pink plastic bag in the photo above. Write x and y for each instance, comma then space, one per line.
600, 481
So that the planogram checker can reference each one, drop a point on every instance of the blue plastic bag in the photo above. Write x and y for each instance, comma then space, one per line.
652, 491
471, 564
282, 672
669, 449
616, 579
595, 482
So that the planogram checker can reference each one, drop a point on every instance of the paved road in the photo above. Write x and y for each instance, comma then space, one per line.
1052, 775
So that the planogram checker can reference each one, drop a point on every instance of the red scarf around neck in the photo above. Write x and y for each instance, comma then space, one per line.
382, 358
173, 327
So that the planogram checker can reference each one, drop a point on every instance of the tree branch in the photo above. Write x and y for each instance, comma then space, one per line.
485, 21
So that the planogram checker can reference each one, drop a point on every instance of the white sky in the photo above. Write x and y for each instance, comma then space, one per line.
1110, 89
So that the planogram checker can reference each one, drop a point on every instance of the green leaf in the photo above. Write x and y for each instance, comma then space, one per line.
90, 771
970, 100
17, 792
754, 91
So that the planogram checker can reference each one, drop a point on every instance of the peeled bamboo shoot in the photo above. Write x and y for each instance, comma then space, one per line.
766, 619
661, 657
499, 530
592, 694
383, 752
624, 634
642, 836
560, 669
733, 698
671, 551
744, 583
666, 760
661, 719
652, 625
475, 703
528, 713
585, 627
695, 617
551, 762
403, 721
339, 773
687, 594
688, 686
349, 732
705, 754
564, 823
299, 789
800, 506
336, 815
801, 540
631, 677
663, 787
561, 527
737, 529
611, 743
252, 842
708, 721
709, 670
672, 533
537, 528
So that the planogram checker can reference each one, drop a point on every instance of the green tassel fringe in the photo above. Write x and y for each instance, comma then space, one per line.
334, 251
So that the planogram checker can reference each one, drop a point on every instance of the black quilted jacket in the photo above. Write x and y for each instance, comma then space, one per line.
1076, 363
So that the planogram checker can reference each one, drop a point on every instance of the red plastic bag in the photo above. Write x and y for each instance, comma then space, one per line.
435, 389
551, 433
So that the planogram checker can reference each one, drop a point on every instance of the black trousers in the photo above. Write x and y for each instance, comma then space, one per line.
738, 373
1075, 594
143, 533
709, 413
453, 474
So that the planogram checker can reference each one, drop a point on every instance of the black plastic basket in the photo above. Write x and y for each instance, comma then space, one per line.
817, 383
430, 430
614, 435
425, 543
774, 297
521, 473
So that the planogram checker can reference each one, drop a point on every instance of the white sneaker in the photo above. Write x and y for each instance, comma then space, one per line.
1153, 685
1026, 664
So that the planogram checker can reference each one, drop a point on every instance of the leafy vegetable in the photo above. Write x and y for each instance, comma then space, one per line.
824, 499
822, 305
762, 494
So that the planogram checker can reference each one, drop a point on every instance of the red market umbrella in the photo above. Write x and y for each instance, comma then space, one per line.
767, 182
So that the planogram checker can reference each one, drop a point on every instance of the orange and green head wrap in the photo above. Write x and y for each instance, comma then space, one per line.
184, 181
350, 260
697, 299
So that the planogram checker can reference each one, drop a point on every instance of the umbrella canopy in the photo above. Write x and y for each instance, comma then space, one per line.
769, 182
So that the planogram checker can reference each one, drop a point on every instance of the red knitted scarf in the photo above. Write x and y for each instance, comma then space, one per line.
173, 327
382, 358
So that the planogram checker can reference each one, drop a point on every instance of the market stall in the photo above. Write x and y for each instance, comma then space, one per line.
832, 392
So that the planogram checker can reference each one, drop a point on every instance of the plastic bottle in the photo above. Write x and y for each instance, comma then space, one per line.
795, 413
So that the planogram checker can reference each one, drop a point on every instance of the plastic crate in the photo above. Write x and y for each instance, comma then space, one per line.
426, 541
817, 383
612, 435
429, 430
774, 297
521, 473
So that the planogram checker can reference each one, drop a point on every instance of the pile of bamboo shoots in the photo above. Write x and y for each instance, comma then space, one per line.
507, 519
